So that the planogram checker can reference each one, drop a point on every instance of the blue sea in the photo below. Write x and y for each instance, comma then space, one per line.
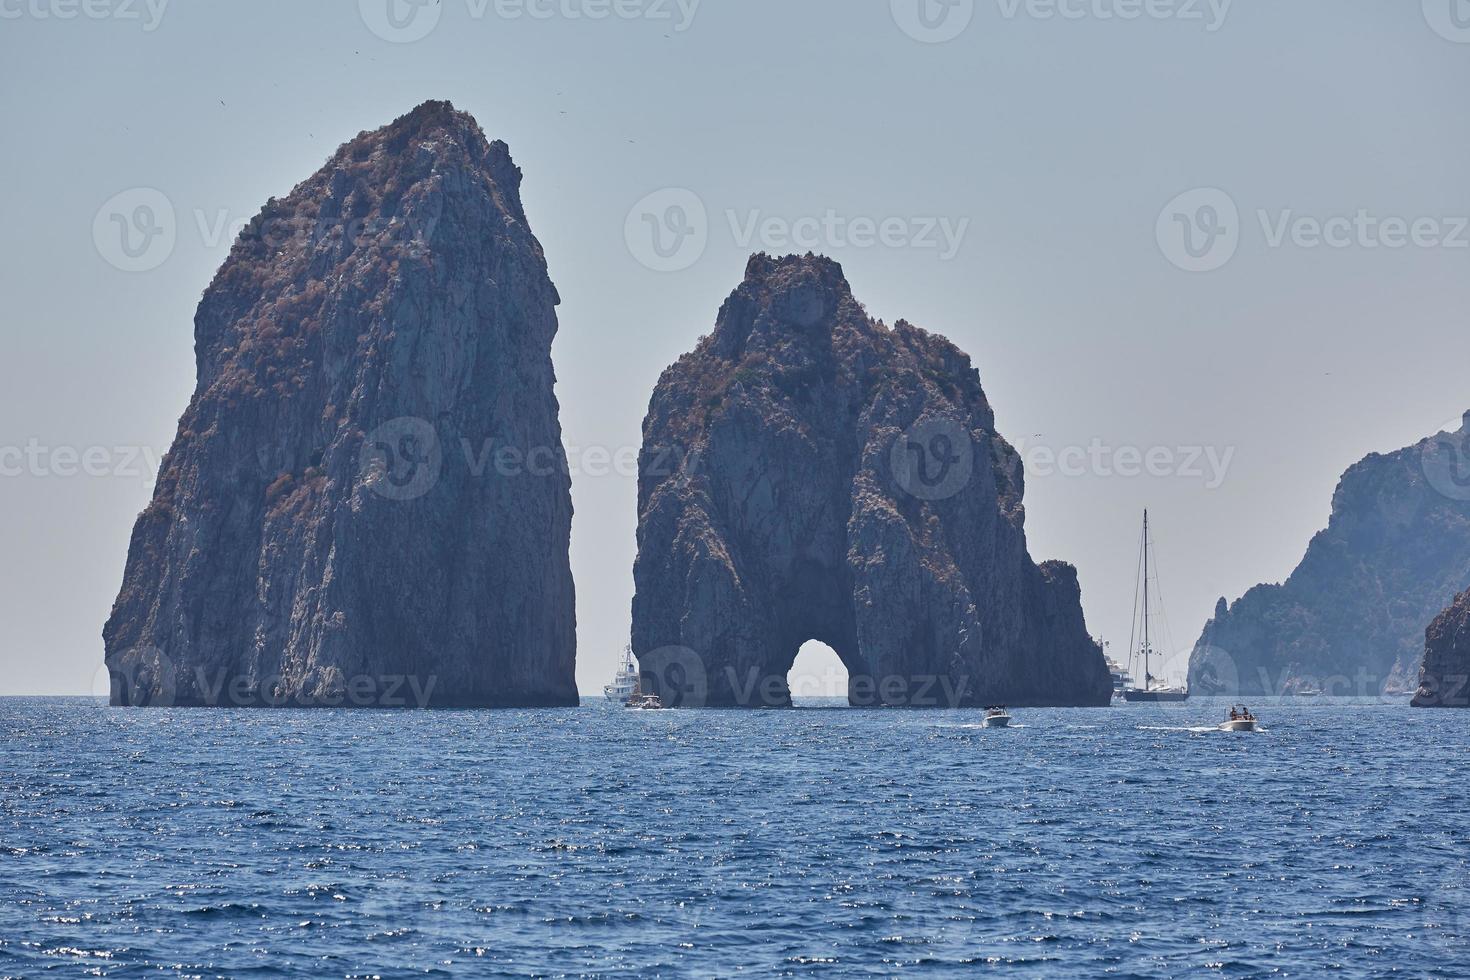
820, 841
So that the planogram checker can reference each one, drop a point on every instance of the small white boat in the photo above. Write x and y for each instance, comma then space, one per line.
997, 718
639, 700
1241, 721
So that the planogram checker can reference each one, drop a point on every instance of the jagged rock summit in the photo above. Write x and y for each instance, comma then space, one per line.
336, 523
1350, 619
1444, 678
808, 473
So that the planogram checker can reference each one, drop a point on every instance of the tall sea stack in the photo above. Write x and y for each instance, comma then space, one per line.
1444, 678
1350, 619
365, 502
808, 473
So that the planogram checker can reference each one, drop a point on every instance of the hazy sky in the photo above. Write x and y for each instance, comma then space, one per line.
1042, 142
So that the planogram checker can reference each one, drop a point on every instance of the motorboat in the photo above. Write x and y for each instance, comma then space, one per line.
997, 717
1241, 720
640, 701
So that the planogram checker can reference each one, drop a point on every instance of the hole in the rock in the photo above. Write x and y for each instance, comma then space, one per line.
817, 674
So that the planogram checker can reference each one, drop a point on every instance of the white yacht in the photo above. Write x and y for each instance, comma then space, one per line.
997, 718
625, 682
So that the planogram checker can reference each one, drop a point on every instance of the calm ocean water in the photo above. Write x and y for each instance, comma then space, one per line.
816, 841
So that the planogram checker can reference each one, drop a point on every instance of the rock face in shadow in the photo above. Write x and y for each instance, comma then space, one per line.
351, 513
1444, 678
1350, 620
808, 473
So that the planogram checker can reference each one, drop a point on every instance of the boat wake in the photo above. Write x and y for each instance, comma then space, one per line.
1199, 729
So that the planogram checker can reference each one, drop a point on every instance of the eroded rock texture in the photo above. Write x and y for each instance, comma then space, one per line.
809, 473
1350, 619
333, 524
1444, 678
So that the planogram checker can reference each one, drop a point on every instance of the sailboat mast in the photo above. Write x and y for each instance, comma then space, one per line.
1147, 673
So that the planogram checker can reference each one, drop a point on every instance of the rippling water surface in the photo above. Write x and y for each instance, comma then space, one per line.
820, 840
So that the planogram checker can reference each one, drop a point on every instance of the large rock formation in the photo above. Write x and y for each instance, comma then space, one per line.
1350, 620
1444, 679
809, 473
353, 511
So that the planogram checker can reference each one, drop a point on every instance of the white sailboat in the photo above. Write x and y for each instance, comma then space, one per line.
1150, 691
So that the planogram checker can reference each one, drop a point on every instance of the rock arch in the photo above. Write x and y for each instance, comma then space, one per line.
808, 473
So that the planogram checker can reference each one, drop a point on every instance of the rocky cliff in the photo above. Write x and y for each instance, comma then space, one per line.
350, 513
1350, 620
808, 473
1444, 678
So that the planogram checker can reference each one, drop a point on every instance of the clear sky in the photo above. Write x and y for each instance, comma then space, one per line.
1050, 138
